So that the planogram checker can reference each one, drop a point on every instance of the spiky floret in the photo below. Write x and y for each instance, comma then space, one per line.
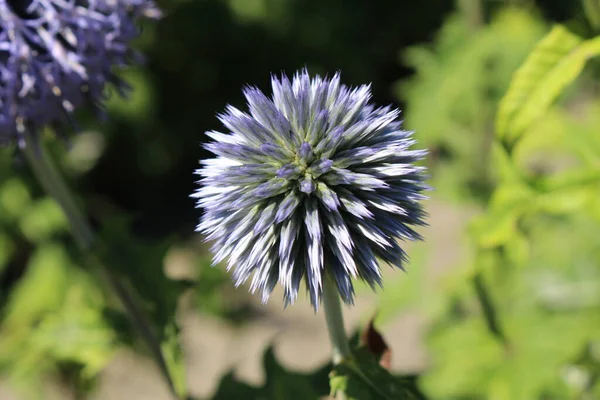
314, 180
57, 55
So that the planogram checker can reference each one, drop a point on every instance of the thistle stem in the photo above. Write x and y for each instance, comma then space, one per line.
340, 350
51, 180
47, 175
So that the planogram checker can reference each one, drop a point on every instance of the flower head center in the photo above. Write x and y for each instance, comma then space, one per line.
305, 169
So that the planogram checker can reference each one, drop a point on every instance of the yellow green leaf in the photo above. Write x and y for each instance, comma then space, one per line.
555, 62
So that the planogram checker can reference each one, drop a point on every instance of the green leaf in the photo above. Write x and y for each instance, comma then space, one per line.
44, 288
230, 388
14, 198
140, 265
517, 249
210, 295
362, 378
569, 192
505, 165
281, 384
455, 373
43, 220
559, 139
573, 178
508, 203
462, 77
77, 333
54, 317
173, 356
555, 62
549, 311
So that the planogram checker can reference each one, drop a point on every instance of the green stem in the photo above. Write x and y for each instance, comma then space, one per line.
47, 175
592, 12
52, 182
473, 11
488, 308
340, 349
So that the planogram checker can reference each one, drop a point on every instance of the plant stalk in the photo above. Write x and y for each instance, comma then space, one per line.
340, 349
488, 308
592, 12
52, 182
473, 11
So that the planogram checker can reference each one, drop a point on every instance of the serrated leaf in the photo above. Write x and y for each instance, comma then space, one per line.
462, 77
567, 201
542, 342
54, 318
571, 179
77, 333
141, 266
231, 388
280, 384
555, 62
362, 378
569, 192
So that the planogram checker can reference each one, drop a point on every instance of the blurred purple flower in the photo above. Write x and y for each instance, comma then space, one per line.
57, 56
312, 181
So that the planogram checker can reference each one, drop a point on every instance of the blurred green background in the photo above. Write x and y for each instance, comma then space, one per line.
502, 300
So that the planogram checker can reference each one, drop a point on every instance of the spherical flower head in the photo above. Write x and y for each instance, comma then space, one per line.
58, 55
313, 183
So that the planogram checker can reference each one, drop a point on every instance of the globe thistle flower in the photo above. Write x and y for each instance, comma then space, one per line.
312, 181
57, 55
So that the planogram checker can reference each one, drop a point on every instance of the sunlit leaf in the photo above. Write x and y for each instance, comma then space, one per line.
54, 316
14, 198
556, 61
44, 288
499, 224
43, 219
450, 100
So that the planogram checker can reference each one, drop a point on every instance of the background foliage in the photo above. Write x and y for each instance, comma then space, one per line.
518, 319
